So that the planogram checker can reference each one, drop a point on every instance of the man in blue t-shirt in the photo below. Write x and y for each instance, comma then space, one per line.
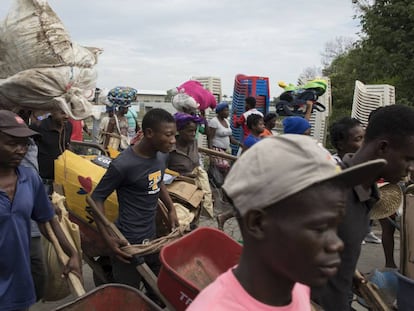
137, 177
22, 197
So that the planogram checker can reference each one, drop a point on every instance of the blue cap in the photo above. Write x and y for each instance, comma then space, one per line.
295, 125
221, 107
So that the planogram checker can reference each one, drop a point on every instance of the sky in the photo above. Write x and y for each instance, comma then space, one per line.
159, 44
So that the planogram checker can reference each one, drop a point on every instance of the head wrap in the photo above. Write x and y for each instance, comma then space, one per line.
221, 107
182, 119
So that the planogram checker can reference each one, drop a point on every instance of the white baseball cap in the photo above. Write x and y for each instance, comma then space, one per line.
280, 166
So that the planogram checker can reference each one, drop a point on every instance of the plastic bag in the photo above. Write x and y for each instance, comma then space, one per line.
124, 142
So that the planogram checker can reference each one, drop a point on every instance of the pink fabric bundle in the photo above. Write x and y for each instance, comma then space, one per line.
202, 96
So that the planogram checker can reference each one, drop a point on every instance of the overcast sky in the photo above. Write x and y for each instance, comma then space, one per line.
159, 44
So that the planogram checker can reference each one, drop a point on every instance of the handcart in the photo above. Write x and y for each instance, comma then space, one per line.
193, 277
189, 264
111, 297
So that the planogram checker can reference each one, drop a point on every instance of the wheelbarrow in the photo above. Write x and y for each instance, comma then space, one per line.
188, 264
109, 297
191, 263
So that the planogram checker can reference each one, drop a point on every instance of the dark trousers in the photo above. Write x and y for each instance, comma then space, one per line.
37, 266
127, 273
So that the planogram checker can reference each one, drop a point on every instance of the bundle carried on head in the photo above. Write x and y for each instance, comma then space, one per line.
122, 96
293, 99
191, 95
41, 68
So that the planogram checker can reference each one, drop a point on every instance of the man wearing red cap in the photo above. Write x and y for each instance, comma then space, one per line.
22, 197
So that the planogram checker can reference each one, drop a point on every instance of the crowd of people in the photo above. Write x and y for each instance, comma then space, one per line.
302, 212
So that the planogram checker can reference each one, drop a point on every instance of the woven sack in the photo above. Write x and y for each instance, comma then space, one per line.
57, 287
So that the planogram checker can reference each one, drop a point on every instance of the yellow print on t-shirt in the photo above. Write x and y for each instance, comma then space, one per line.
154, 179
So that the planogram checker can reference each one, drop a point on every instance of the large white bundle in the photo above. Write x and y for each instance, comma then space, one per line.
42, 68
32, 36
48, 89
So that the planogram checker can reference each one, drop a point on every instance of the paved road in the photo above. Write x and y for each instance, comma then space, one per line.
371, 257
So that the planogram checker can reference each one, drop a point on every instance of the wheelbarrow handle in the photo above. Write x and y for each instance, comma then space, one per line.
98, 213
75, 283
142, 268
369, 292
217, 153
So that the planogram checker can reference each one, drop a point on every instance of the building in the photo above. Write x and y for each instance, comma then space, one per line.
146, 96
213, 84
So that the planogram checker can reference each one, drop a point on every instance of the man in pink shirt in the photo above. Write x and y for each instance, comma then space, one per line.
288, 207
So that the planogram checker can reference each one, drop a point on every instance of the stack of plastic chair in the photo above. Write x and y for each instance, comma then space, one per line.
246, 86
370, 97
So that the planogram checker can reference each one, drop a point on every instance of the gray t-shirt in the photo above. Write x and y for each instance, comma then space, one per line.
137, 183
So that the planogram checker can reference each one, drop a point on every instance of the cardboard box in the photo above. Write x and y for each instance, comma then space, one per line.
186, 192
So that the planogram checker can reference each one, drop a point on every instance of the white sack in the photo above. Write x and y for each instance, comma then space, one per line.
49, 89
42, 69
32, 36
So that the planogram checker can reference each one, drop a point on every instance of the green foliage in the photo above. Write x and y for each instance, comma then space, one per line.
384, 54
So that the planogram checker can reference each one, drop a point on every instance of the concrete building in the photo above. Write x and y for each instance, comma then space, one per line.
146, 96
213, 84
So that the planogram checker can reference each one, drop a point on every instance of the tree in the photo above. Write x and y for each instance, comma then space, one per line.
389, 29
309, 73
335, 48
382, 55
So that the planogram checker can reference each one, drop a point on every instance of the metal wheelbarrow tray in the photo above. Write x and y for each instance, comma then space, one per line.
111, 297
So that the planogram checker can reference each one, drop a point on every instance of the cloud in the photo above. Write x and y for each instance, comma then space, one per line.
160, 44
